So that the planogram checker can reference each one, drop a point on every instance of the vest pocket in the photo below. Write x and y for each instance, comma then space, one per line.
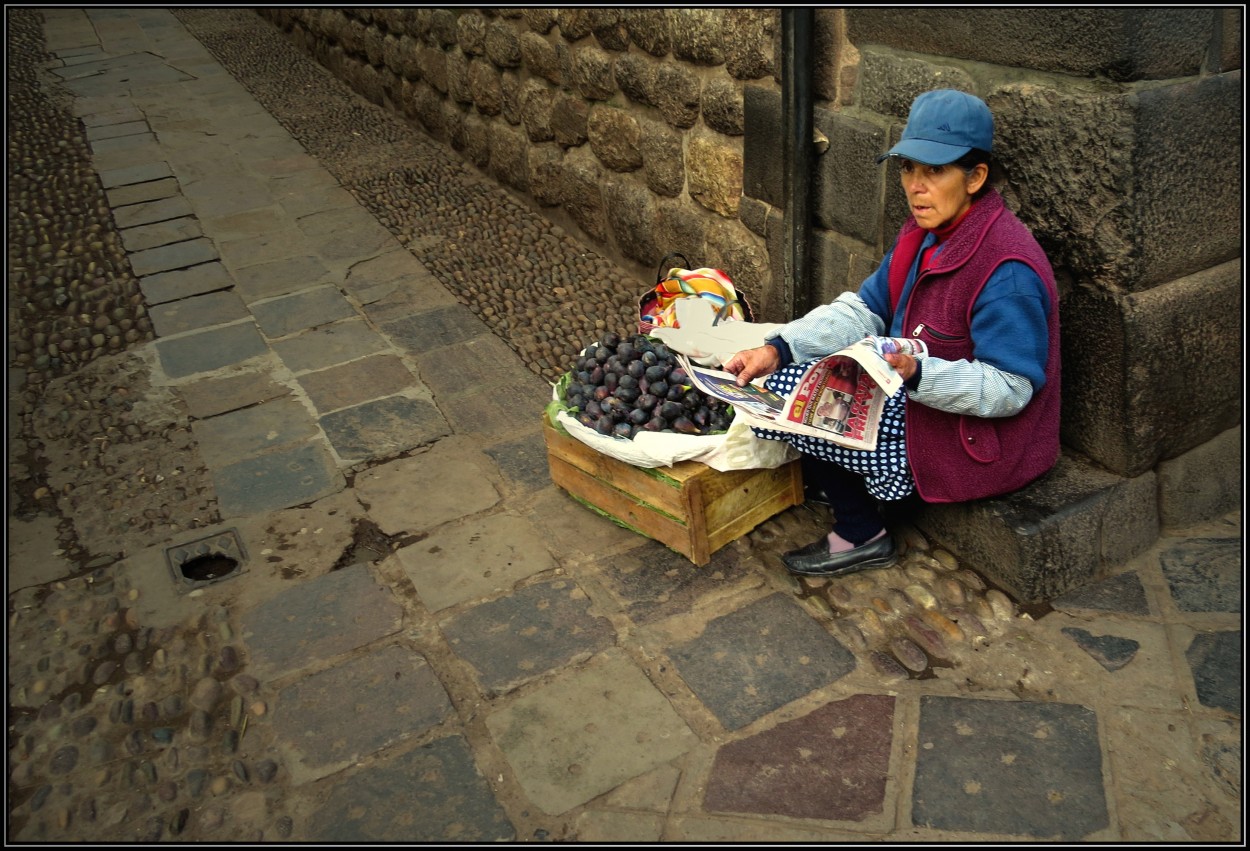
979, 437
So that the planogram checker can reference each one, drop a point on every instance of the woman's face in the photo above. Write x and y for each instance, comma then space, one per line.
938, 194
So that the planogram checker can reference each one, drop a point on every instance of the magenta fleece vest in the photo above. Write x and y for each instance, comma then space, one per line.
954, 457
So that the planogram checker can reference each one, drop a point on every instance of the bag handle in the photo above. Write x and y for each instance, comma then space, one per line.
659, 273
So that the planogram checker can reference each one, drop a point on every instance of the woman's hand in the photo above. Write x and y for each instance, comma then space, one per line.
753, 363
904, 365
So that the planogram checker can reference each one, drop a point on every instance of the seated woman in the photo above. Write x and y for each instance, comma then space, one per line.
979, 415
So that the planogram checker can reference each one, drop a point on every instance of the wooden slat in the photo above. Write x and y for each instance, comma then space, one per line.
666, 530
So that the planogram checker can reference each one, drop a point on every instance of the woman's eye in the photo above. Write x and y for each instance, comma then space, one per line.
936, 170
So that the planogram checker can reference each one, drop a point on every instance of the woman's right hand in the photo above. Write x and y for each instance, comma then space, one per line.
752, 363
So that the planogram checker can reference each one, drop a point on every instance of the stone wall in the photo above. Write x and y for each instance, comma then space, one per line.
625, 124
1119, 135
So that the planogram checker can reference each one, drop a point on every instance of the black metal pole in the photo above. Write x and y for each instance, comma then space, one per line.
797, 25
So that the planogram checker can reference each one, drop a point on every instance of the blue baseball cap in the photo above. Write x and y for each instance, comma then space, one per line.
942, 126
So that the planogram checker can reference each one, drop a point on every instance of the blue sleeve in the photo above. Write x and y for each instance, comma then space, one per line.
875, 290
1009, 328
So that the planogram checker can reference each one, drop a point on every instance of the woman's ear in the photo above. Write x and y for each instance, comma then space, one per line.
977, 177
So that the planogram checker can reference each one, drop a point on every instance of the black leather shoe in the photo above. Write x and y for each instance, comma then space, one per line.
816, 560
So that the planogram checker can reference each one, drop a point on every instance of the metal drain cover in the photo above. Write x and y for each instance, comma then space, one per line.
207, 560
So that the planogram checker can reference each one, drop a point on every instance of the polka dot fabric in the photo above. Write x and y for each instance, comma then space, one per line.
886, 472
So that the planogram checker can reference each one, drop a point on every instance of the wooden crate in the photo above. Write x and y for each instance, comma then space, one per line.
689, 506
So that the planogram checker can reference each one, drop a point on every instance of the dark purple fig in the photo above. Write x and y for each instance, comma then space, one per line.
592, 408
624, 430
701, 417
602, 354
611, 339
658, 372
595, 376
604, 425
646, 400
615, 408
671, 410
626, 352
649, 358
586, 419
655, 424
576, 401
675, 393
626, 394
628, 381
602, 393
636, 368
678, 376
638, 416
610, 380
658, 388
685, 426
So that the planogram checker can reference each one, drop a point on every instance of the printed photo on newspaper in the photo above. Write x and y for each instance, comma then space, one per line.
839, 398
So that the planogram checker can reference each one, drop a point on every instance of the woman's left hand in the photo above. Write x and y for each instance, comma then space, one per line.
904, 365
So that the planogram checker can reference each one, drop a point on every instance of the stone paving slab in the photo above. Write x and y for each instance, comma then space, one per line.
183, 283
316, 620
135, 174
1123, 593
329, 345
137, 193
279, 479
476, 362
236, 226
397, 494
167, 258
434, 793
330, 720
383, 428
97, 131
833, 763
587, 732
489, 412
1217, 664
240, 434
523, 462
531, 632
308, 309
1169, 804
309, 192
653, 582
1023, 769
124, 115
279, 277
226, 194
432, 329
213, 396
359, 381
273, 243
201, 311
756, 659
462, 563
215, 348
345, 233
120, 151
1204, 574
148, 212
161, 233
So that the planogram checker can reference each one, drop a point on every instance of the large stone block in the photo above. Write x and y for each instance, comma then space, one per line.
846, 195
714, 175
633, 216
762, 175
1151, 375
838, 264
1063, 531
1106, 177
1204, 483
1187, 176
1121, 44
508, 151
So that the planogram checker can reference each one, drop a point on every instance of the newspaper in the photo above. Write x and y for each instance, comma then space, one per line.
839, 398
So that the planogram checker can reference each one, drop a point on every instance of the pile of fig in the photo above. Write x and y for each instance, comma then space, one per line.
625, 385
